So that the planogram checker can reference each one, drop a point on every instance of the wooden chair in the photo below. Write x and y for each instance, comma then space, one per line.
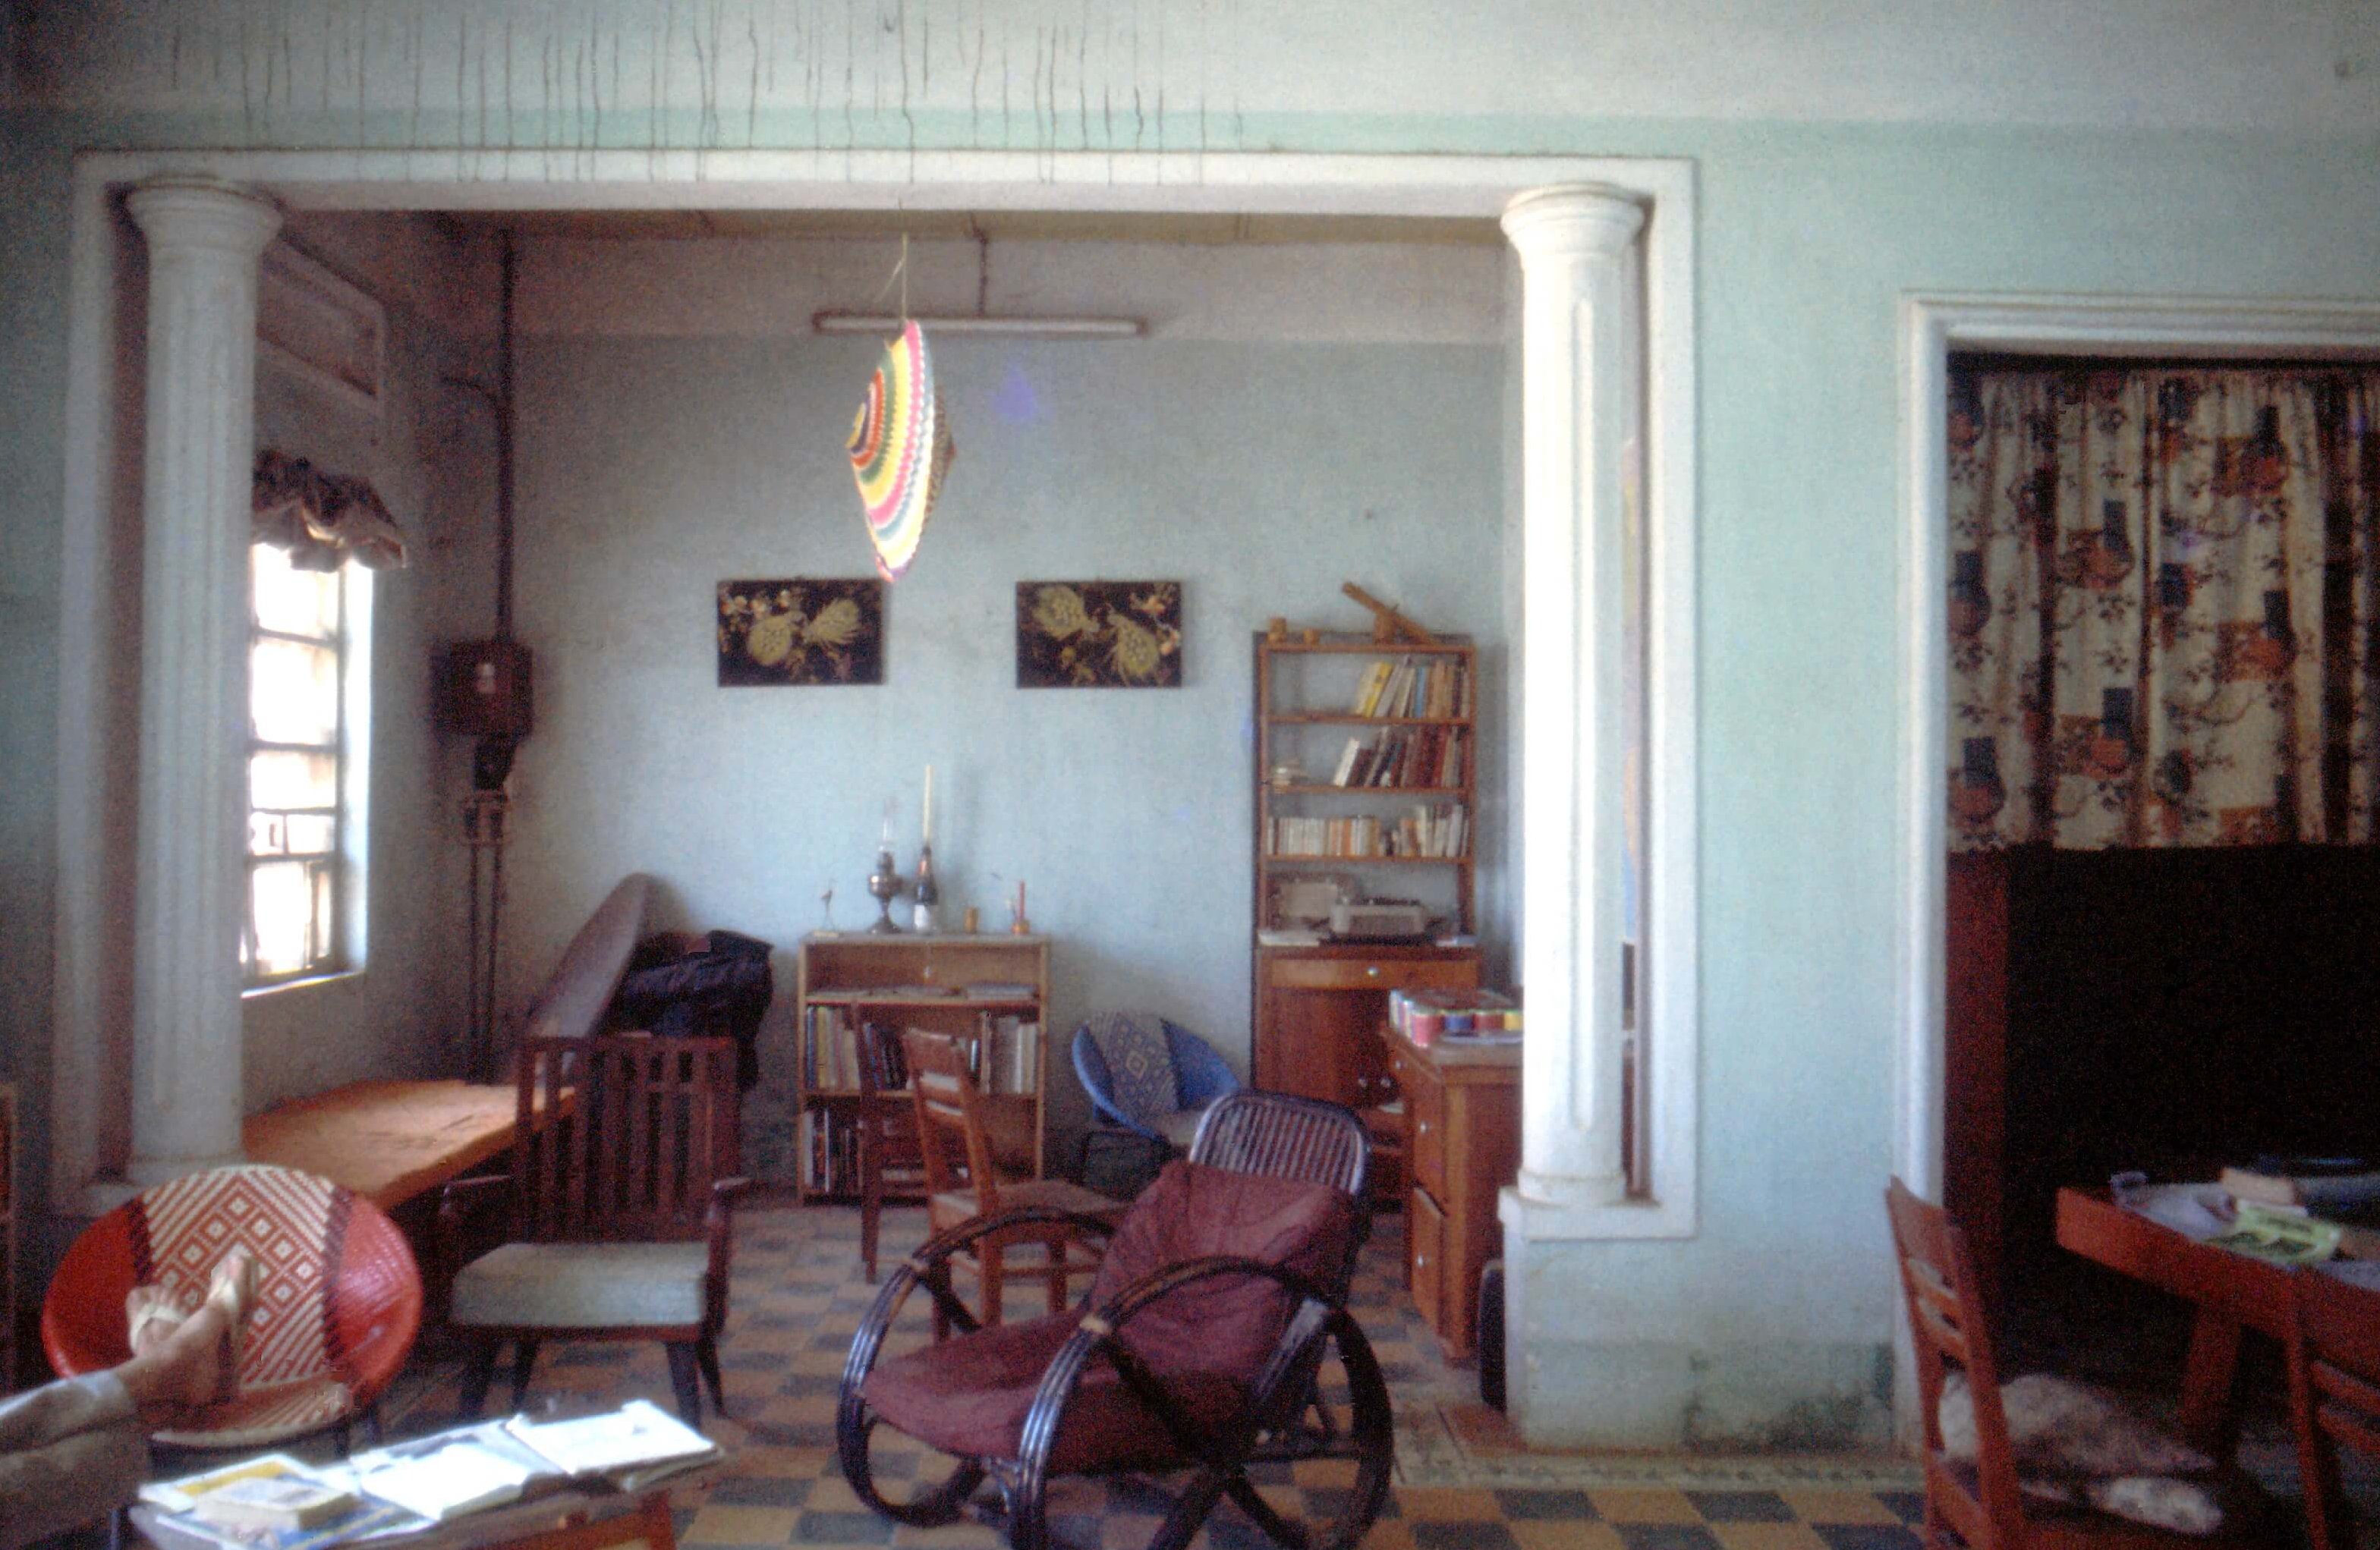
888, 1133
977, 1152
622, 1190
1981, 1503
2335, 1395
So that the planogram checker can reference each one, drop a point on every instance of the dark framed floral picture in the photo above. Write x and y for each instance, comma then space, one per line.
1099, 634
801, 631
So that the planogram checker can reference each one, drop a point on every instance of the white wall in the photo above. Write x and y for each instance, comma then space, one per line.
1259, 475
1846, 155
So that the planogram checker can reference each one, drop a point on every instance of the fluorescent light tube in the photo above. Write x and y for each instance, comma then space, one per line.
1017, 328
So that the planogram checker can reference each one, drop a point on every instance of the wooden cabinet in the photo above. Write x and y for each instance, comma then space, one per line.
995, 987
1463, 1141
1321, 1010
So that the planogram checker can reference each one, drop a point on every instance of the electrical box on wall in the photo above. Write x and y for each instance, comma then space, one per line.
484, 689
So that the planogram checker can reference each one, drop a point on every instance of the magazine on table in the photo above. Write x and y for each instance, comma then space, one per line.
187, 1511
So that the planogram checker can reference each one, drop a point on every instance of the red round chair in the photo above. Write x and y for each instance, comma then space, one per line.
338, 1296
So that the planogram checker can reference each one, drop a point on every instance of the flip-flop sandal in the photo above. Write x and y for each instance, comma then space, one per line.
150, 1315
234, 1286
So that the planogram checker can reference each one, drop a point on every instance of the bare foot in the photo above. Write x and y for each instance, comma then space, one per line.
192, 1362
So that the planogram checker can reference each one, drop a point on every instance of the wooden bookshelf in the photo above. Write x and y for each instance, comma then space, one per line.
1319, 1006
1316, 700
846, 979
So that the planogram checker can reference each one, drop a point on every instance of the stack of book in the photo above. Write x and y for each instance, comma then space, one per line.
275, 1502
1409, 689
1421, 757
1442, 831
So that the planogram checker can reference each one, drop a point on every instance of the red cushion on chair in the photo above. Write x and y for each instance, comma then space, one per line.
1206, 1342
1228, 1324
969, 1397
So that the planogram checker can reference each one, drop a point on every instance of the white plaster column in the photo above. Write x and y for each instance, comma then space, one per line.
1583, 404
205, 240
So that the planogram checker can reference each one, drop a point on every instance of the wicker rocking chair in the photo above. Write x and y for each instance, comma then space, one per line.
1216, 1328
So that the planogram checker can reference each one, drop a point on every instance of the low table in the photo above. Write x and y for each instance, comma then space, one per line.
387, 1140
2233, 1292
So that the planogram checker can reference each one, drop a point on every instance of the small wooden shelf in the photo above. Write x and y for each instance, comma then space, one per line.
1364, 790
1360, 646
847, 978
1301, 859
1348, 717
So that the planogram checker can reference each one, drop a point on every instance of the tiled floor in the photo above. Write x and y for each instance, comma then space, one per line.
1461, 1481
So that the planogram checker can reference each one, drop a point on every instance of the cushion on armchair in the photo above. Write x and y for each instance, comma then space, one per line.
583, 1285
1139, 1062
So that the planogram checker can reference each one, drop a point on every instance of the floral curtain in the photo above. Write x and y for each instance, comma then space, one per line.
2163, 586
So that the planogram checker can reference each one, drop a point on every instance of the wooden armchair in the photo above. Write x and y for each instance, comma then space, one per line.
973, 1144
621, 1192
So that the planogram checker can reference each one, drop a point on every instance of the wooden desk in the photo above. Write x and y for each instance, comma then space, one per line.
1463, 1144
386, 1141
2233, 1292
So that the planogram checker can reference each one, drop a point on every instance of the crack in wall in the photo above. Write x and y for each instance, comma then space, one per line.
465, 79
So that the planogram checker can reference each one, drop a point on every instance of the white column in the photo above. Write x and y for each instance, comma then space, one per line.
1583, 305
205, 240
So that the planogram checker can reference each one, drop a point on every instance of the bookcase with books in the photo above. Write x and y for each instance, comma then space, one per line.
1366, 756
993, 988
1365, 784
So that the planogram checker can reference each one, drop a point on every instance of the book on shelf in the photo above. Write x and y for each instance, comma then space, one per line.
1000, 990
1440, 831
1370, 690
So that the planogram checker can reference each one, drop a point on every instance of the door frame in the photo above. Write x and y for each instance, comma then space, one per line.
1932, 325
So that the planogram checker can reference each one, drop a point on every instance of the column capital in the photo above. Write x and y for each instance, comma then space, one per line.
1573, 220
193, 210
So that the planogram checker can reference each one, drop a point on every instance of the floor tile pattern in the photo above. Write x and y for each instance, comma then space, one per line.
1462, 1481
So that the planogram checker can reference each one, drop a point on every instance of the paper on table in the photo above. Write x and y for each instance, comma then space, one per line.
638, 1432
2196, 1211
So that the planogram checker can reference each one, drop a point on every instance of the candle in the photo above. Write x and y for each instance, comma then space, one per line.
927, 827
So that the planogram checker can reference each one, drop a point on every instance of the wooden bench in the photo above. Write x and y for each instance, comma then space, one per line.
387, 1140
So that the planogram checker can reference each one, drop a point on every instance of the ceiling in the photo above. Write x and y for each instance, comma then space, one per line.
1223, 230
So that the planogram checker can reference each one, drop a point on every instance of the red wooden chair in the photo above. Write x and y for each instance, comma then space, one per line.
1981, 1504
2335, 1395
338, 1297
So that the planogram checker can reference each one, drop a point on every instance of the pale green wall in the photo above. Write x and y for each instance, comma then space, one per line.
1769, 1322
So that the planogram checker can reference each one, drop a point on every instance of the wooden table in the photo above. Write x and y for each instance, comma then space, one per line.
2233, 1292
386, 1141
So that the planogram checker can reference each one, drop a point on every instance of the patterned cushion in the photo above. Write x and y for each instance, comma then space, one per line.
292, 1223
584, 1286
1139, 1062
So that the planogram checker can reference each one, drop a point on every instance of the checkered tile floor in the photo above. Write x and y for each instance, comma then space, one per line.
1462, 1481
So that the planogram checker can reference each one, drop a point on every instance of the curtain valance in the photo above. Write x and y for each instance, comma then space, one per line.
322, 519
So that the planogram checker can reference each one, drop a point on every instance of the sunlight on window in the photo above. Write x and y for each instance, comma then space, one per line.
297, 659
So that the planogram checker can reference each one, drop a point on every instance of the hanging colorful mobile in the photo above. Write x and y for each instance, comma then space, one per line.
900, 449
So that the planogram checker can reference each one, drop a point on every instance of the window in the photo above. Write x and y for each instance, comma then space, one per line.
304, 767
